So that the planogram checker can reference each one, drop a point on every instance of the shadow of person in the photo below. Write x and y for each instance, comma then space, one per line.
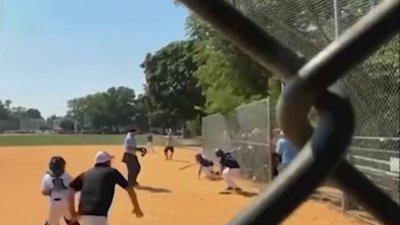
246, 194
179, 160
152, 189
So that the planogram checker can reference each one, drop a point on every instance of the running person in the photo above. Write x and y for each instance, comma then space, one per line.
130, 158
55, 185
207, 167
96, 187
169, 147
230, 169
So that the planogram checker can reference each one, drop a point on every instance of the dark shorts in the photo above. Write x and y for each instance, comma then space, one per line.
129, 158
169, 149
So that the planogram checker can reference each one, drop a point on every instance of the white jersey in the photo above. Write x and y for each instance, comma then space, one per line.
58, 186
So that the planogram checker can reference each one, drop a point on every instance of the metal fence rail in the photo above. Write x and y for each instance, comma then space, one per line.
323, 148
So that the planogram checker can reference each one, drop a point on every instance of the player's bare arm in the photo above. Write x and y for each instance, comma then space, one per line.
71, 204
74, 187
46, 192
199, 173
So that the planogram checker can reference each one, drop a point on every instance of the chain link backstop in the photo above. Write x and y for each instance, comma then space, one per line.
308, 26
246, 133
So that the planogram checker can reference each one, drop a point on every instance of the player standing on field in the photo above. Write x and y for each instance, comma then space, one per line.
169, 147
97, 186
150, 142
130, 158
230, 169
55, 185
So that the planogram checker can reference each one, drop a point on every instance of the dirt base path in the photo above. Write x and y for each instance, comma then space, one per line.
172, 196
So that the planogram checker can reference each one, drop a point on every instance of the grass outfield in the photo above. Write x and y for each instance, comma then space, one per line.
70, 139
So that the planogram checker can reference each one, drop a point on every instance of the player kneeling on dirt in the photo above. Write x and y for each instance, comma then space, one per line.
207, 167
55, 185
230, 169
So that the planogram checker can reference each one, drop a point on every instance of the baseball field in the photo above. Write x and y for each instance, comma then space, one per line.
169, 196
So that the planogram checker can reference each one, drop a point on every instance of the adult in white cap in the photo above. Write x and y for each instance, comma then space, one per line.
96, 187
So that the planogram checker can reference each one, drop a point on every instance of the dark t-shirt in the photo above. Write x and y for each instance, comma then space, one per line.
206, 162
227, 160
97, 189
150, 138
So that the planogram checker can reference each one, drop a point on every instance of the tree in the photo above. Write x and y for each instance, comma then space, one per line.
3, 111
112, 109
67, 124
227, 76
171, 84
141, 114
32, 114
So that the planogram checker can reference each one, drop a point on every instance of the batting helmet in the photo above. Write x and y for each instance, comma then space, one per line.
57, 165
219, 152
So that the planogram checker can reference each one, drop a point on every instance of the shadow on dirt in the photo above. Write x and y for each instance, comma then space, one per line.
178, 160
246, 194
152, 189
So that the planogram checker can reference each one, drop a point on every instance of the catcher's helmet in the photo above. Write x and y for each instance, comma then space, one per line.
219, 152
57, 165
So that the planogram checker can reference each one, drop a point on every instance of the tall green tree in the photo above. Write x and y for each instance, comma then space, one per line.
114, 108
227, 76
171, 84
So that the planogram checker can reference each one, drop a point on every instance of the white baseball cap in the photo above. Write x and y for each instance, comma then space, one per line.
103, 156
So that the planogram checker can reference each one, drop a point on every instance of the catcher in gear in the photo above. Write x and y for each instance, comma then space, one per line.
55, 185
207, 167
130, 158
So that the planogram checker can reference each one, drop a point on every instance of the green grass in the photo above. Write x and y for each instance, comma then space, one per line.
70, 139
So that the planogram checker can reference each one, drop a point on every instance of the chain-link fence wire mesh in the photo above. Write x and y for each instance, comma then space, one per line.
307, 26
246, 133
32, 124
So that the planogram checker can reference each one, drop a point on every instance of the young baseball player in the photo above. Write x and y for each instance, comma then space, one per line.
55, 186
207, 167
150, 142
169, 147
230, 169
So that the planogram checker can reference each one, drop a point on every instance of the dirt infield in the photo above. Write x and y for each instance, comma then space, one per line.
172, 196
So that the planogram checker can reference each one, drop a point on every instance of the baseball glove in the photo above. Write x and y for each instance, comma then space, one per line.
143, 151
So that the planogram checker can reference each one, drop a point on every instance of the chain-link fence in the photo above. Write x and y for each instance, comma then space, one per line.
307, 26
246, 133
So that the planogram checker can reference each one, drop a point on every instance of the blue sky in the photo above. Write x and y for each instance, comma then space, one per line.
54, 50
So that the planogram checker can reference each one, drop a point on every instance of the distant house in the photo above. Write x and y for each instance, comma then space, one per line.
56, 123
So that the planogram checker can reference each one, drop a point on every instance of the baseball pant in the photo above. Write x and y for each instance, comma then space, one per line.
133, 167
58, 210
94, 220
150, 146
229, 174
